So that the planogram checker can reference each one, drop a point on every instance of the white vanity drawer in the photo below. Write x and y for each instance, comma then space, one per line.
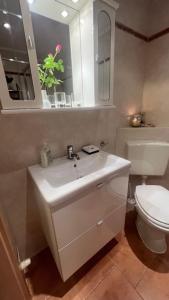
74, 255
75, 218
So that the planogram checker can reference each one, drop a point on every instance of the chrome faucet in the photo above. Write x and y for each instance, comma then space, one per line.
71, 154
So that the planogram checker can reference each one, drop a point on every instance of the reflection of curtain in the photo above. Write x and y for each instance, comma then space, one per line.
20, 87
104, 80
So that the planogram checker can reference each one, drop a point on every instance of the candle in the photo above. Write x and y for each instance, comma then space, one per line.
136, 121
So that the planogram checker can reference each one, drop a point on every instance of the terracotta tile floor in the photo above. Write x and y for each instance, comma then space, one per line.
121, 271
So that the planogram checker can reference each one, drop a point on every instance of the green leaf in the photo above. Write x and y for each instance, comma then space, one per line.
47, 71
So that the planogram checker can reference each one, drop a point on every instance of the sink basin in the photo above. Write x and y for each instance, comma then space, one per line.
65, 178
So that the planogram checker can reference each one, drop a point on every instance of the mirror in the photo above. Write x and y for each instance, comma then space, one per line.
56, 26
104, 55
13, 51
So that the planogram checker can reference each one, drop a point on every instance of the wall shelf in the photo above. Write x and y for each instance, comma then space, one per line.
54, 110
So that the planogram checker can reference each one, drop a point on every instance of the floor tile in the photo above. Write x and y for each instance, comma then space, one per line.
95, 276
87, 283
40, 297
46, 282
155, 282
129, 263
71, 295
43, 275
131, 256
114, 287
126, 270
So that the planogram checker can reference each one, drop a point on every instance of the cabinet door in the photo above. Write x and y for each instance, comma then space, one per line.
79, 216
19, 85
104, 40
75, 254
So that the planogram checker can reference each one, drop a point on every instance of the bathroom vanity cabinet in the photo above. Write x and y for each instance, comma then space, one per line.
87, 224
81, 221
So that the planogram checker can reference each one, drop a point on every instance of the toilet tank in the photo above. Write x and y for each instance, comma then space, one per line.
148, 157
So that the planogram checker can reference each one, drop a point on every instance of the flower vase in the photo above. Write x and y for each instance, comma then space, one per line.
46, 103
51, 97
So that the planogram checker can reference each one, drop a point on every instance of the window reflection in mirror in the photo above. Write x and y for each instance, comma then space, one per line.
13, 51
52, 23
104, 53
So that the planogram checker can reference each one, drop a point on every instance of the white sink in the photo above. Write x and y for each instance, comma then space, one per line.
65, 178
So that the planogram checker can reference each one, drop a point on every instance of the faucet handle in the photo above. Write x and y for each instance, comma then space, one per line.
77, 156
103, 144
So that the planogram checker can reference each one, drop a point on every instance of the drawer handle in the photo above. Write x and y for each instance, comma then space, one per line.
100, 223
113, 176
100, 185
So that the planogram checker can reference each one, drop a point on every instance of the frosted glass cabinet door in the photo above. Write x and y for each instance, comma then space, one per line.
104, 40
19, 85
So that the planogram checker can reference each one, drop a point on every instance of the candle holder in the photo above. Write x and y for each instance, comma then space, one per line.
136, 120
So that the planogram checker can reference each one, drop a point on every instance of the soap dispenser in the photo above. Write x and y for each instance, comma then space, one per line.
45, 155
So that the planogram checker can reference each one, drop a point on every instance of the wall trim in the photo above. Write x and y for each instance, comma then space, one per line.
131, 31
159, 34
140, 35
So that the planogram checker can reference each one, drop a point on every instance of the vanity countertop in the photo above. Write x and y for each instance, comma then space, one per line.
65, 178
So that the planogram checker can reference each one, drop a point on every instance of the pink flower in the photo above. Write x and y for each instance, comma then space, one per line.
58, 48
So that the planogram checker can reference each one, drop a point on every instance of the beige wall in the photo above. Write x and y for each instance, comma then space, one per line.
129, 74
156, 88
22, 136
134, 14
159, 16
155, 92
151, 58
130, 58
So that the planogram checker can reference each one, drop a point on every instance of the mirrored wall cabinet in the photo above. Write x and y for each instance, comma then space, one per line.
56, 54
19, 84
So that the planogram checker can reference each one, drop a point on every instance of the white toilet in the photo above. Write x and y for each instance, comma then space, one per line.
152, 201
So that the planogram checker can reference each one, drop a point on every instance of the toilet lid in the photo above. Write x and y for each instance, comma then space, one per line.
154, 200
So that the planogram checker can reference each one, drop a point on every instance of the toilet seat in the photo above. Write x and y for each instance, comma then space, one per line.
153, 203
153, 222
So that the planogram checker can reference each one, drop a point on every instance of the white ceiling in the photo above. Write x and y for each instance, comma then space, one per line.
52, 9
